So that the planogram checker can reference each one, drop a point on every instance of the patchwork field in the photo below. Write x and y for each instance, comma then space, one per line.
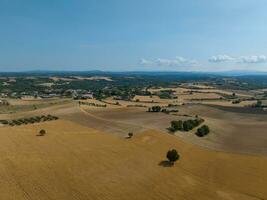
85, 154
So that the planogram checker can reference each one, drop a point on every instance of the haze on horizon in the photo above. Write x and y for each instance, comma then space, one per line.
118, 35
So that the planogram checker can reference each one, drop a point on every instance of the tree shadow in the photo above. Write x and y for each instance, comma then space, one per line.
165, 163
170, 130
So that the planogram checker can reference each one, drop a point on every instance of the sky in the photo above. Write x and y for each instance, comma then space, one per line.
133, 35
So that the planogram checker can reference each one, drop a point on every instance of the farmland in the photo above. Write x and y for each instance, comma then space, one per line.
84, 151
76, 162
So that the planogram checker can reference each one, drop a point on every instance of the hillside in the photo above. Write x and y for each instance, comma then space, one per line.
75, 162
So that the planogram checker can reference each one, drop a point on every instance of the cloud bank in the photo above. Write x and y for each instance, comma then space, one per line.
220, 58
255, 59
176, 62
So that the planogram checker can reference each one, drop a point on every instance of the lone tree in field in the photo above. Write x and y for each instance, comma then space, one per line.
130, 135
172, 156
42, 132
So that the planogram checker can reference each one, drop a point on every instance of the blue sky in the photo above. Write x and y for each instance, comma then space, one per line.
117, 35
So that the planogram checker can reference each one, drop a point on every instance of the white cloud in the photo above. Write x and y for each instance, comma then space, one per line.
176, 62
145, 61
254, 59
221, 58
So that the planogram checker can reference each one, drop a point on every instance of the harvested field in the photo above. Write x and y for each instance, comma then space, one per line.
238, 131
75, 162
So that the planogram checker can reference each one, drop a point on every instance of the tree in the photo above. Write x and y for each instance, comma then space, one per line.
177, 125
42, 132
202, 131
188, 125
130, 134
258, 104
156, 108
172, 155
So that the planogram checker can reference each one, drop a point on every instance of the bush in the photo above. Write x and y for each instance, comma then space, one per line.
236, 101
130, 134
4, 121
172, 155
185, 125
154, 109
42, 132
30, 120
177, 125
16, 122
188, 125
202, 131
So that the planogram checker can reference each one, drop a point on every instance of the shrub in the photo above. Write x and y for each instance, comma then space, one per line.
177, 125
154, 109
258, 104
130, 134
188, 125
172, 155
185, 125
4, 121
236, 101
30, 120
42, 132
16, 122
202, 131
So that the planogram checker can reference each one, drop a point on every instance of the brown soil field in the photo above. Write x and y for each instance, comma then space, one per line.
73, 162
147, 103
232, 129
196, 96
136, 119
213, 91
147, 98
229, 103
38, 107
36, 101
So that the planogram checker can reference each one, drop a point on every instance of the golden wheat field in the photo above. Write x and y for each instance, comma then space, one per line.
75, 162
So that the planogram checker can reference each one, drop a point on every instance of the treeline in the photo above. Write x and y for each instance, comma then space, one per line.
189, 125
111, 103
137, 105
167, 94
258, 104
186, 125
92, 104
30, 120
154, 109
162, 109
